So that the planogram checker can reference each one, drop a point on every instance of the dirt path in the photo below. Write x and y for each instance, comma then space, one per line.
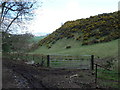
17, 74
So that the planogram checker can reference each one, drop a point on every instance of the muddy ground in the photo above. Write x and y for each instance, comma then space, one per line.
18, 74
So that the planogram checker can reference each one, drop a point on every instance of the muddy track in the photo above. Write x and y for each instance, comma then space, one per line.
39, 77
30, 76
26, 72
33, 82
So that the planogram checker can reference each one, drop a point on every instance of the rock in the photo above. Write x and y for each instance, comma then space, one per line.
76, 75
30, 62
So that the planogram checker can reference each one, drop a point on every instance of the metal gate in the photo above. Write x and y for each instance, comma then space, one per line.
67, 61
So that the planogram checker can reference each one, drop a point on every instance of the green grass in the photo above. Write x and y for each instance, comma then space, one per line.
110, 78
101, 50
108, 75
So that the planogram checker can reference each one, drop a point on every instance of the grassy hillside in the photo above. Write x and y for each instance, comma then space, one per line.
96, 29
96, 35
101, 50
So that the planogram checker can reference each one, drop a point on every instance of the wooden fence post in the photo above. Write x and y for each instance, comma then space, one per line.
95, 73
92, 62
33, 57
42, 58
48, 60
18, 56
26, 55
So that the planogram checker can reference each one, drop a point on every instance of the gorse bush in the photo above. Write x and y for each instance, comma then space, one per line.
95, 29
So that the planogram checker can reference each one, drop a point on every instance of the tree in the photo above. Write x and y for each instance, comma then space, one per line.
21, 42
13, 11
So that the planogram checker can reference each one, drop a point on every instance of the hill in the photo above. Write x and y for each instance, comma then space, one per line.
97, 35
95, 29
36, 39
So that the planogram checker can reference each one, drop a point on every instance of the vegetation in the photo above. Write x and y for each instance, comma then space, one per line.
12, 11
108, 78
109, 75
96, 29
13, 14
99, 50
14, 42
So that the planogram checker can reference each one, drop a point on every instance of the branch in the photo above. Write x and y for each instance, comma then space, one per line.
19, 9
12, 21
6, 11
3, 6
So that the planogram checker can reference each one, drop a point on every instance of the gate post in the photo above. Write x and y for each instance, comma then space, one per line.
92, 62
33, 57
95, 73
48, 60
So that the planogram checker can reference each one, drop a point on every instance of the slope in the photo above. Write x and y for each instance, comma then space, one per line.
96, 35
102, 50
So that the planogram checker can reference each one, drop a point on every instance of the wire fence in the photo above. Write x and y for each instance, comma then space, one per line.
106, 77
36, 58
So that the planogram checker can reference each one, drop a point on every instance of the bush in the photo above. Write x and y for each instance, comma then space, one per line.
48, 46
85, 43
68, 47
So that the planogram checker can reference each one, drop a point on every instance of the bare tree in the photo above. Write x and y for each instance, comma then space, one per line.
11, 11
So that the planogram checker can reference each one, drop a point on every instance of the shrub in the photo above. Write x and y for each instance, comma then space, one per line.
68, 47
48, 46
85, 43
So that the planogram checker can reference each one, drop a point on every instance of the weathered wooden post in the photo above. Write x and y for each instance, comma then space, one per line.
11, 55
18, 57
33, 57
15, 56
95, 73
48, 60
26, 56
92, 62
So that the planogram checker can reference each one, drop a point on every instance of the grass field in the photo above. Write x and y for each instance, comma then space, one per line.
101, 50
108, 78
